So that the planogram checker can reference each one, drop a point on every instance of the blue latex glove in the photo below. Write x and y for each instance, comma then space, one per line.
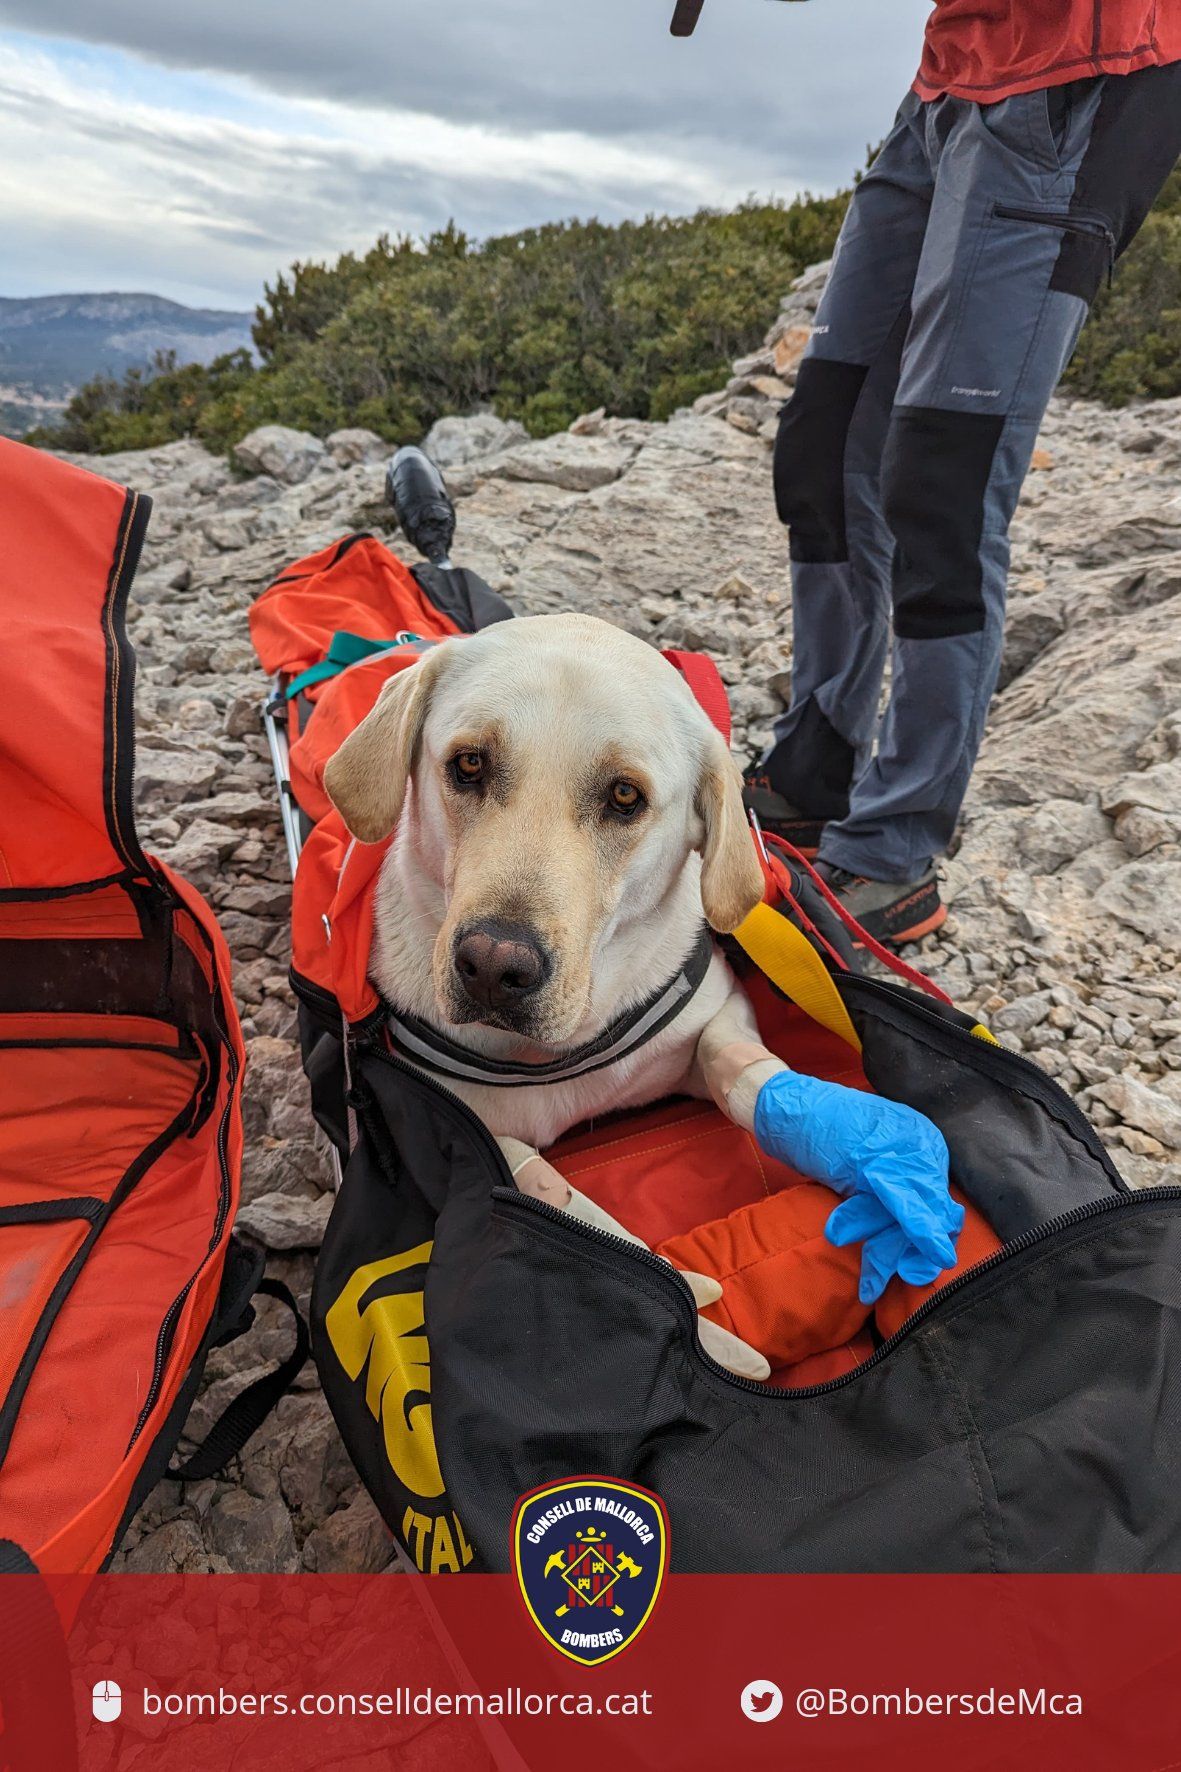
892, 1163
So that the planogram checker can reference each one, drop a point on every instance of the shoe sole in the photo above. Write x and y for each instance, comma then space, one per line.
927, 926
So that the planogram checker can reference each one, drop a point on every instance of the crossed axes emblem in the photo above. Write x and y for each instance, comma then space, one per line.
591, 1540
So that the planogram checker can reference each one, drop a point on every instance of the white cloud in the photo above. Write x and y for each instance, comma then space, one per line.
206, 206
199, 150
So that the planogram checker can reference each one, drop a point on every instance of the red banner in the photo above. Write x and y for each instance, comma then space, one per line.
200, 1673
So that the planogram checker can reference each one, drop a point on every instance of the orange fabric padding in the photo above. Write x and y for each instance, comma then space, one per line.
120, 1132
690, 1182
143, 1262
74, 1119
83, 1404
355, 587
788, 1291
78, 1119
68, 537
664, 1170
88, 1030
106, 915
332, 915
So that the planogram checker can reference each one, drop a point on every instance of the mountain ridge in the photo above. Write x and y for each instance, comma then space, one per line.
51, 344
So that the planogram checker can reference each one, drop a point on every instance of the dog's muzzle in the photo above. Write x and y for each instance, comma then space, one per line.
499, 965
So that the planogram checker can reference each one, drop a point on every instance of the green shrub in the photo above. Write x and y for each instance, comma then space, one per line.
638, 317
146, 407
542, 325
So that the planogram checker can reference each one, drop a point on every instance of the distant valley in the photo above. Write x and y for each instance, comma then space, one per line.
51, 344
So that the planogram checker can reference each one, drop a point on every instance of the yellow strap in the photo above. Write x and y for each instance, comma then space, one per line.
982, 1033
790, 961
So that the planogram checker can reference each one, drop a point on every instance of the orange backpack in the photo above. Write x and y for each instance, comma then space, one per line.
120, 1060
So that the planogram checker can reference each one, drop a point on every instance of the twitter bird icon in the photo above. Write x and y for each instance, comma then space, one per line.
761, 1701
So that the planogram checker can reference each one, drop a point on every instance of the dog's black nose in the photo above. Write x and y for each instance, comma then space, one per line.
500, 963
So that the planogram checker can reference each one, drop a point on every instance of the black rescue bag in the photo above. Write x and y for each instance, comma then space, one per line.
474, 1344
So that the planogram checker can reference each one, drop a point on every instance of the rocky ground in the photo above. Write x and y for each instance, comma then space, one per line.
1065, 888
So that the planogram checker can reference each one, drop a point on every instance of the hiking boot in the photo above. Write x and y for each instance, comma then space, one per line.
418, 496
779, 816
892, 911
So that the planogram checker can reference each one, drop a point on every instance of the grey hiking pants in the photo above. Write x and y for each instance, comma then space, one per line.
964, 271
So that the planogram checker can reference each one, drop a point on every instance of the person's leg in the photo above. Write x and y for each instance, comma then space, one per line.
827, 464
1032, 196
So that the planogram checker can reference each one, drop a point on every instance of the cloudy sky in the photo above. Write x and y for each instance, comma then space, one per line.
194, 149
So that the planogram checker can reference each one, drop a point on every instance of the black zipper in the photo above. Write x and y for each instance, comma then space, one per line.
205, 1097
11, 1404
508, 1194
167, 1326
172, 1314
325, 1007
1097, 228
680, 1293
998, 1062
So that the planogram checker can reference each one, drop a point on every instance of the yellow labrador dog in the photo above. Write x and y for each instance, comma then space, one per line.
566, 823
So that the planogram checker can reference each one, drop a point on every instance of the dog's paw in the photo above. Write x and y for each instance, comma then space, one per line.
705, 1289
736, 1356
535, 1176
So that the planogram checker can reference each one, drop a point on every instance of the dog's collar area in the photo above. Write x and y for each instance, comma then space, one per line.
426, 1046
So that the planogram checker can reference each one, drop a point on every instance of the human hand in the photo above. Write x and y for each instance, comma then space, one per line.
891, 1161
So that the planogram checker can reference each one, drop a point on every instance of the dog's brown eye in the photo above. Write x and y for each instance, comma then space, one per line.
625, 798
468, 768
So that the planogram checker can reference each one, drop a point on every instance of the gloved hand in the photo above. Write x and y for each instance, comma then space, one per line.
891, 1161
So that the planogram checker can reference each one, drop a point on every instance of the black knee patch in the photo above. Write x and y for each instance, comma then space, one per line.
810, 458
935, 473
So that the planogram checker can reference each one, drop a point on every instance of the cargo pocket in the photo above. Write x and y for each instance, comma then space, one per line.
1086, 254
39, 1244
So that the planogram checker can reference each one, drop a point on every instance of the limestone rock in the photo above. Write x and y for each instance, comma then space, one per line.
348, 447
574, 461
790, 348
1148, 1110
252, 1533
1032, 624
286, 1221
355, 1540
1146, 895
452, 441
285, 454
164, 778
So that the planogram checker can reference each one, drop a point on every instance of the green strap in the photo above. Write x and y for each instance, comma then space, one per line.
347, 649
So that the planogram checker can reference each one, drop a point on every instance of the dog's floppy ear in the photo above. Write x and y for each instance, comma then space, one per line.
366, 778
731, 878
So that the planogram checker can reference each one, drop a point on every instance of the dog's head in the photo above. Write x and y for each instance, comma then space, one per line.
559, 776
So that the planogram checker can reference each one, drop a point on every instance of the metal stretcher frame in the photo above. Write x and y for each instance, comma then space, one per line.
274, 720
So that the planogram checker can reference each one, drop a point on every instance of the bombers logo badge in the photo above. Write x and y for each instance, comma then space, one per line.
590, 1555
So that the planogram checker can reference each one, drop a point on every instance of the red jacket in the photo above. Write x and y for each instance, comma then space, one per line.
988, 50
